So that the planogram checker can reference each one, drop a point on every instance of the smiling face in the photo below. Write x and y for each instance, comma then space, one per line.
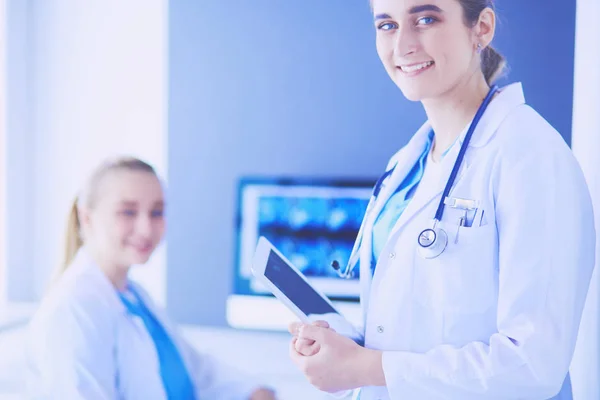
125, 222
425, 46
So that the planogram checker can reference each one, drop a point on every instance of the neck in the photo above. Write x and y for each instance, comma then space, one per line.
450, 113
116, 274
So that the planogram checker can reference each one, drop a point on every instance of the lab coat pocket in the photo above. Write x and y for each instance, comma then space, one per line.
462, 279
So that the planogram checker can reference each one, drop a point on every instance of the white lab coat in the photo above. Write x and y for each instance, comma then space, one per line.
496, 315
83, 344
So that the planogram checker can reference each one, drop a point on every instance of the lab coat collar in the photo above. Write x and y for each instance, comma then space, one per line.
402, 162
507, 99
84, 265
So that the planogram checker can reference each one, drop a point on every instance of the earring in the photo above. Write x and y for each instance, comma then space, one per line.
478, 48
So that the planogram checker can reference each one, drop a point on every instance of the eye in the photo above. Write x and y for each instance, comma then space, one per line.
157, 214
387, 26
129, 213
426, 21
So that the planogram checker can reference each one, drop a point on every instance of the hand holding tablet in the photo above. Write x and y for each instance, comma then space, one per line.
291, 287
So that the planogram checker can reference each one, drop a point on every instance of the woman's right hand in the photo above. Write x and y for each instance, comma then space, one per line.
263, 394
305, 347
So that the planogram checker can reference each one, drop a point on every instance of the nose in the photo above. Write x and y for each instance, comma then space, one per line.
405, 41
143, 225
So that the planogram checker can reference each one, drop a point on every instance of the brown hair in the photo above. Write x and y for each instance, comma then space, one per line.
87, 198
492, 62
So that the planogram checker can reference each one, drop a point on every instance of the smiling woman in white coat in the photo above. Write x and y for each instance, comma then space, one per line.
97, 335
478, 245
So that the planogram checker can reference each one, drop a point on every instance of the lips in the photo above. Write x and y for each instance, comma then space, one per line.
416, 68
142, 247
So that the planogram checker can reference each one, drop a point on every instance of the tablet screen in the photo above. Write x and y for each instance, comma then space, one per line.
294, 287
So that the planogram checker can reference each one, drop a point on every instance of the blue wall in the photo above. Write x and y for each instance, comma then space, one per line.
295, 88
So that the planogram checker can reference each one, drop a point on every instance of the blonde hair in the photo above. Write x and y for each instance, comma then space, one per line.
87, 198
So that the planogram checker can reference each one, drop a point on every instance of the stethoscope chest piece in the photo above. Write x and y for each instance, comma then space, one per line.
432, 242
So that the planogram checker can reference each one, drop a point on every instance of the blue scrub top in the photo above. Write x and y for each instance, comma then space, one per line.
174, 374
398, 202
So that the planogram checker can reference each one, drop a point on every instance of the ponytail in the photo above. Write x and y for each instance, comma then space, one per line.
73, 240
492, 64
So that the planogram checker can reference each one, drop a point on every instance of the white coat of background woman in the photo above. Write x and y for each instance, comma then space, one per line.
98, 335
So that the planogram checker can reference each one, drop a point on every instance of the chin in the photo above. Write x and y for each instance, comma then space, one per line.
411, 92
412, 95
420, 94
136, 257
416, 89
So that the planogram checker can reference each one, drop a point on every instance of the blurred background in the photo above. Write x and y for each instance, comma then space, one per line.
264, 118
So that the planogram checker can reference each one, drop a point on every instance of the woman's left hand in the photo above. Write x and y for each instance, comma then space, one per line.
338, 363
262, 394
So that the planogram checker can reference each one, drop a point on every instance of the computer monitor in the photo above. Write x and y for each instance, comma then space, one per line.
312, 222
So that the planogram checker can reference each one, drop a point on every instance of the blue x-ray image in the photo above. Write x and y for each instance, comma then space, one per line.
345, 214
297, 214
312, 223
312, 232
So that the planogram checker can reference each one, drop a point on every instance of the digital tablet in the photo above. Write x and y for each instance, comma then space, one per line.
292, 288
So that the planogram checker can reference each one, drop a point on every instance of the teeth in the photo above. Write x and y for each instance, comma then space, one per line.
412, 68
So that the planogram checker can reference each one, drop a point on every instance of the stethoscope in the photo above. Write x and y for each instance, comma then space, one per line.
431, 241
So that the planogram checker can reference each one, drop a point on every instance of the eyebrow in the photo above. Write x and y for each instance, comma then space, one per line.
424, 7
413, 10
128, 203
382, 16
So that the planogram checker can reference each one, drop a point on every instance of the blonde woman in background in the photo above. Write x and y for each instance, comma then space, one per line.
97, 335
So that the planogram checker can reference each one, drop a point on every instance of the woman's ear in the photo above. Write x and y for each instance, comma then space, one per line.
85, 220
485, 28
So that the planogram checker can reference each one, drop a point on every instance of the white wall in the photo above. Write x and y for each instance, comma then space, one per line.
2, 146
19, 143
98, 88
586, 146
